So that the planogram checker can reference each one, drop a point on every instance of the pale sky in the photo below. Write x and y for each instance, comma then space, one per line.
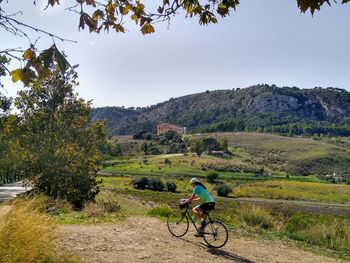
266, 41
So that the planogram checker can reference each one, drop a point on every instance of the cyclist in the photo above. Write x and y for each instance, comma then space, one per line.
200, 193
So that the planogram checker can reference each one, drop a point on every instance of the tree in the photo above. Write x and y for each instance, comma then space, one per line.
223, 144
57, 134
210, 144
13, 157
197, 147
5, 103
144, 147
115, 149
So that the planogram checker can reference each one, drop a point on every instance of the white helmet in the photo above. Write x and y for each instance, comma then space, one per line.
194, 180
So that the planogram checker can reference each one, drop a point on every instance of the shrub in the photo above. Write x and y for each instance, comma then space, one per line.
298, 222
109, 205
212, 176
93, 209
256, 216
223, 189
171, 187
140, 183
154, 150
156, 184
167, 161
162, 211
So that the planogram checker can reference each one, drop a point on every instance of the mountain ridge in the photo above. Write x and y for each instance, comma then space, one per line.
255, 107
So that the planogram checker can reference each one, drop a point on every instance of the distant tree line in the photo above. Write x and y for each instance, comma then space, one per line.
283, 127
170, 140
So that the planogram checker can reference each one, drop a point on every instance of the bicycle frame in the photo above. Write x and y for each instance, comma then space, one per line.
188, 214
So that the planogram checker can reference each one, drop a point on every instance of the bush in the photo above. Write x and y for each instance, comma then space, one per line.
109, 206
212, 176
298, 222
171, 187
167, 161
223, 189
140, 183
154, 151
161, 211
256, 216
156, 184
93, 209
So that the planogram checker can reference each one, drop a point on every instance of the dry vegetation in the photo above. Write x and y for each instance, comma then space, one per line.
28, 234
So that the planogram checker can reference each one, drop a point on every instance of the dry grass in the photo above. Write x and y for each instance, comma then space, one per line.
28, 234
256, 216
93, 209
331, 232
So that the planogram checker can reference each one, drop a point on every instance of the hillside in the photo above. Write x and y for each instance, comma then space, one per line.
257, 108
251, 152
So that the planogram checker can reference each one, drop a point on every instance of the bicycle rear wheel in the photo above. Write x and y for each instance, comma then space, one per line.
178, 224
215, 234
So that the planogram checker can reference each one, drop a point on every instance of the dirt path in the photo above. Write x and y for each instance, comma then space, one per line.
144, 239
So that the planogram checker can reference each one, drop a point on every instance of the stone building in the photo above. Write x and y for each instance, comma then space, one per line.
164, 127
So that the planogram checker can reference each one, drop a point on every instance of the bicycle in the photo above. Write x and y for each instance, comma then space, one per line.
214, 231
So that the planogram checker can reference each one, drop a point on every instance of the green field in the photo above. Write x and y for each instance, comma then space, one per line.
251, 152
260, 166
191, 165
292, 155
306, 191
285, 190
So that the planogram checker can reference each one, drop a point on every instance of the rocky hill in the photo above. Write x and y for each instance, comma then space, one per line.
257, 108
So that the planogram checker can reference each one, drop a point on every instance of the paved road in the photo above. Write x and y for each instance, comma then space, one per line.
9, 191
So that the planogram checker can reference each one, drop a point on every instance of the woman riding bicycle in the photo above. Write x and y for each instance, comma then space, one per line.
200, 193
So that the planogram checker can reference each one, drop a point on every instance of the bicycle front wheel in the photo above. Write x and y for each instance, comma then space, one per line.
215, 234
178, 224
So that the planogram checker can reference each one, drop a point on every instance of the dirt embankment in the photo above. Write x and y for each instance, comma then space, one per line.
144, 239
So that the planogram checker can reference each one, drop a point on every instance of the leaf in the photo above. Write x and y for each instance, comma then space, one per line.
118, 28
135, 18
91, 2
147, 29
47, 57
53, 2
160, 10
313, 5
61, 61
125, 9
43, 73
97, 14
16, 75
28, 54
